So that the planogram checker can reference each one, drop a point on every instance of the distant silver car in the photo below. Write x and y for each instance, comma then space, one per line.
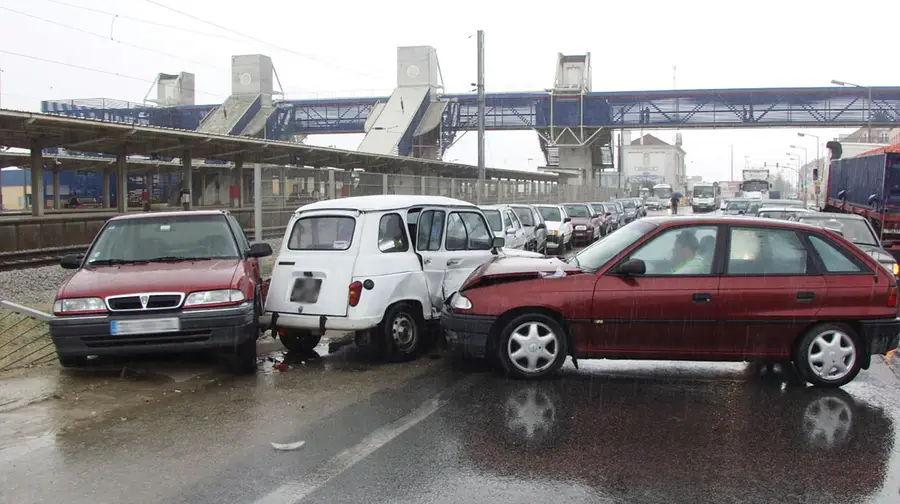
534, 226
505, 224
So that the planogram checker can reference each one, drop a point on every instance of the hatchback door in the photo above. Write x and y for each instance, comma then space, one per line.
314, 270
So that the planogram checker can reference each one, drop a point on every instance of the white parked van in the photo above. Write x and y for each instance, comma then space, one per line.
374, 265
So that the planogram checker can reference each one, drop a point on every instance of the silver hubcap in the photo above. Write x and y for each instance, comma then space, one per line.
532, 347
831, 355
403, 331
530, 413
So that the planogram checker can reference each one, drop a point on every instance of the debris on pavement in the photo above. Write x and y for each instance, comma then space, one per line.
288, 446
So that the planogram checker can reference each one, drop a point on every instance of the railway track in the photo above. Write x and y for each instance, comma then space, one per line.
26, 259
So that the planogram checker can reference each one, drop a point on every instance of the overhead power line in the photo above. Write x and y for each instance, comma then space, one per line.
90, 69
109, 38
260, 41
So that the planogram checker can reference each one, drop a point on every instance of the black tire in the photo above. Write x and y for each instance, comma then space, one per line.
402, 333
544, 365
302, 342
243, 361
849, 352
70, 361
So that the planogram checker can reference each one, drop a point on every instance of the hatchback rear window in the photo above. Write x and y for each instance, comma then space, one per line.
322, 233
578, 210
524, 215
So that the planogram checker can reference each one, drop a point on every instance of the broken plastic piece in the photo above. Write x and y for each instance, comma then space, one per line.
288, 446
559, 273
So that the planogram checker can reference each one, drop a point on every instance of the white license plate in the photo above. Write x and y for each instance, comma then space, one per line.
144, 326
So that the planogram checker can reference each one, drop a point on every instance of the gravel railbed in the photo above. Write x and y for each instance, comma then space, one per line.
37, 286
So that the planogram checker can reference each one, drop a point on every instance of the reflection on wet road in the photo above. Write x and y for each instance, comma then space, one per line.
439, 431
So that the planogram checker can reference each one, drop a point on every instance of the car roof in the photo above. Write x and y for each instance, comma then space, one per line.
178, 213
547, 205
831, 215
381, 202
783, 208
785, 202
723, 219
568, 204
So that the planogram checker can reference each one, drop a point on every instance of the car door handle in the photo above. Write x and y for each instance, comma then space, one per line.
702, 297
453, 262
806, 296
427, 260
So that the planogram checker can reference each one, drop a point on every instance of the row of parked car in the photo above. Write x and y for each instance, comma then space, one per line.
397, 270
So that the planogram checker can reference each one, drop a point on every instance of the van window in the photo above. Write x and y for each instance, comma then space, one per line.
392, 234
322, 233
467, 231
430, 230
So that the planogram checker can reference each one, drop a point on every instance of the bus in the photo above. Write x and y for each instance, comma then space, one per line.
662, 191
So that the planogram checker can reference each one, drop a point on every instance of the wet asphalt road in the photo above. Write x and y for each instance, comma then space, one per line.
440, 431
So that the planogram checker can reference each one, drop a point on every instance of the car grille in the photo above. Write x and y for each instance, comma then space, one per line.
142, 302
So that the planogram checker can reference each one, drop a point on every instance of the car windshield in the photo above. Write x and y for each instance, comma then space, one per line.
628, 203
703, 192
595, 256
653, 198
578, 211
550, 214
165, 238
853, 229
493, 217
597, 208
524, 215
322, 233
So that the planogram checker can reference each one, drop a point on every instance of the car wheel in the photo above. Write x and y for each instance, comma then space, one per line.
70, 361
828, 355
402, 333
243, 361
302, 342
532, 346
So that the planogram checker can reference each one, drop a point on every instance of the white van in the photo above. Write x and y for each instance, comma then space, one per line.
374, 265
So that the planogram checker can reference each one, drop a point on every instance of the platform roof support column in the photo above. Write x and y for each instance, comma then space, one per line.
187, 175
122, 181
330, 190
56, 198
107, 188
201, 191
37, 179
257, 202
239, 179
384, 183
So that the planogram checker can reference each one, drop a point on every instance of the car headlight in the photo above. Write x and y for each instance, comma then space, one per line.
223, 296
461, 302
79, 305
580, 228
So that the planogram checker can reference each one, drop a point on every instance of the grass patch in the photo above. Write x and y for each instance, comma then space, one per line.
23, 341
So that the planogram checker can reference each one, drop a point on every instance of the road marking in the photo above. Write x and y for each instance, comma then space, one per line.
295, 491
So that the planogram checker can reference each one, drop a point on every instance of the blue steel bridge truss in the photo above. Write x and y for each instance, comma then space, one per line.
709, 108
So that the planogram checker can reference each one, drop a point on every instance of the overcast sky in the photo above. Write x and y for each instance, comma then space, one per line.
334, 48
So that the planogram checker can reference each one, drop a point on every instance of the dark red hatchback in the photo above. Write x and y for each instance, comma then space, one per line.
685, 288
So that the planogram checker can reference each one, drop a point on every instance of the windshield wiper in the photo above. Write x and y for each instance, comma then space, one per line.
169, 259
113, 262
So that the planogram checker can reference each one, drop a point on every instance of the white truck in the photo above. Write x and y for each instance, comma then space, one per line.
755, 183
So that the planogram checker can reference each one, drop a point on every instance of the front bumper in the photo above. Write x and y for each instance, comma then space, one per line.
881, 336
466, 334
216, 328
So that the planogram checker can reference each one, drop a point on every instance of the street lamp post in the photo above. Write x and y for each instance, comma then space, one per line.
793, 155
803, 169
818, 168
869, 105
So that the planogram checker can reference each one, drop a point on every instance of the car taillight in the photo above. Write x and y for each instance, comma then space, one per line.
355, 293
892, 297
896, 269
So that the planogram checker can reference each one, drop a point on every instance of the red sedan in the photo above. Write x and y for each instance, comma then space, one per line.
685, 288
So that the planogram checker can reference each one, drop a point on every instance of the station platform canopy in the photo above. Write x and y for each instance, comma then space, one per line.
20, 129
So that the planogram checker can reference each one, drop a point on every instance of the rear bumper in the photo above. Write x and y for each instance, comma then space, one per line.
882, 335
200, 330
466, 334
318, 323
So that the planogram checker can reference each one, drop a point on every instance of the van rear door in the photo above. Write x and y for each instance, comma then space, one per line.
313, 273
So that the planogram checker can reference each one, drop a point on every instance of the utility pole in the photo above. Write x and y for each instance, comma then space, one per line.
732, 162
480, 195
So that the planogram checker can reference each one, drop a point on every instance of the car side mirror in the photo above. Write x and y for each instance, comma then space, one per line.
887, 243
510, 231
608, 214
260, 250
498, 242
567, 219
595, 216
541, 226
71, 261
632, 267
